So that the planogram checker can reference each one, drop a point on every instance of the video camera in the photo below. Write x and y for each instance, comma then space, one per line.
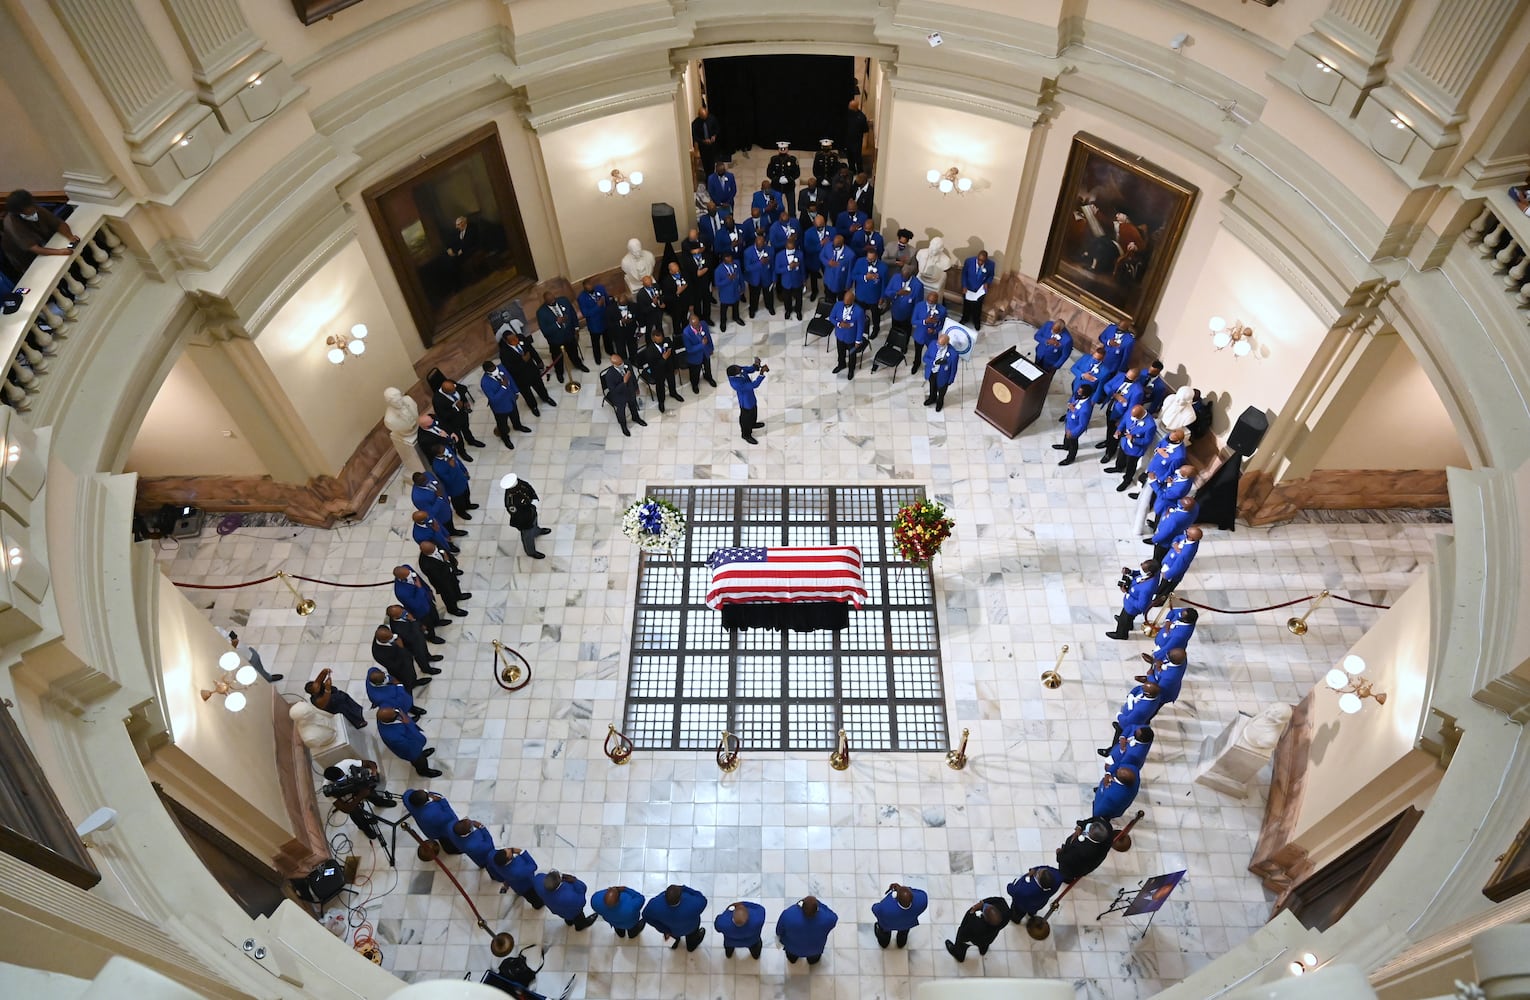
1127, 578
359, 781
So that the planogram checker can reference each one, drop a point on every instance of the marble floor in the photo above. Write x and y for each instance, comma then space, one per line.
1031, 567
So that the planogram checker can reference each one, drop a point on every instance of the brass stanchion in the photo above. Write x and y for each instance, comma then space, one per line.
840, 758
1150, 628
1052, 679
728, 747
957, 759
508, 674
500, 944
1298, 626
622, 751
305, 606
571, 386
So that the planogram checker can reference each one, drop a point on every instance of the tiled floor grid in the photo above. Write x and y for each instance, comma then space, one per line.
879, 679
1031, 567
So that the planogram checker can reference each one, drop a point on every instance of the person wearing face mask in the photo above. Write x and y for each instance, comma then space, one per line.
28, 227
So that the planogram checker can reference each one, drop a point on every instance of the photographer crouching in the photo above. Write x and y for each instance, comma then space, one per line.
353, 785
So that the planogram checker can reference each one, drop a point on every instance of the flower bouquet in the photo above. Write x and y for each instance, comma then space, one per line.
919, 529
654, 525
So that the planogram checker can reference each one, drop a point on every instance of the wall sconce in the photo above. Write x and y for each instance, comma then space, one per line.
1235, 335
949, 181
235, 677
13, 557
1306, 963
342, 344
1353, 689
620, 183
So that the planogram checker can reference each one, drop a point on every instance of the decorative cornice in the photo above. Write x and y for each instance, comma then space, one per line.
578, 41
368, 33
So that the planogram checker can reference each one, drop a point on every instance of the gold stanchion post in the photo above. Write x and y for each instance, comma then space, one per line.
957, 759
840, 758
618, 747
1298, 626
728, 747
1052, 679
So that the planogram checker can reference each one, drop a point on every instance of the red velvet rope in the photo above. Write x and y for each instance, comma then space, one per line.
273, 576
1275, 607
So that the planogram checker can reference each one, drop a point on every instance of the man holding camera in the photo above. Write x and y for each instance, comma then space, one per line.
1140, 589
744, 381
353, 785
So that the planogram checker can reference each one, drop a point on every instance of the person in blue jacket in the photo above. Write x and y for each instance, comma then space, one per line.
785, 227
1075, 421
1171, 490
564, 895
1115, 793
1167, 456
741, 925
849, 322
1137, 710
426, 494
928, 319
743, 381
1130, 748
622, 908
1168, 674
403, 736
837, 261
411, 590
1155, 389
940, 371
592, 306
898, 912
722, 186
866, 239
1174, 632
904, 291
803, 929
1174, 522
1135, 434
1054, 344
815, 239
977, 279
1177, 559
501, 391
433, 815
754, 225
867, 277
848, 221
556, 320
1089, 370
1031, 892
1118, 342
698, 352
768, 202
1139, 589
427, 529
791, 273
384, 691
516, 871
1118, 395
474, 840
676, 913
760, 274
729, 278
454, 478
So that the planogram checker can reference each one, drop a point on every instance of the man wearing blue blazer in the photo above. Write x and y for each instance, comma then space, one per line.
837, 261
403, 736
1139, 589
791, 273
928, 319
454, 478
760, 275
729, 278
433, 815
940, 371
501, 391
903, 292
849, 322
1075, 421
977, 279
1175, 521
1054, 344
867, 277
722, 186
1115, 793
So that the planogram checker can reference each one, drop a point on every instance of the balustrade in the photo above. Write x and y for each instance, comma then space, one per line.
1501, 236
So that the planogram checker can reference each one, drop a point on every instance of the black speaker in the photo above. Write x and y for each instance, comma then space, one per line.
1248, 432
664, 230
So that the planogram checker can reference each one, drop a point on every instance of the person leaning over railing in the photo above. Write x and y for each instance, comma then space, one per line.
27, 230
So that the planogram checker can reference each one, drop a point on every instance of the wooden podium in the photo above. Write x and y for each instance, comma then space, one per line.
1013, 393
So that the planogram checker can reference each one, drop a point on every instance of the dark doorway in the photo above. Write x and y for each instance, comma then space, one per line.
762, 100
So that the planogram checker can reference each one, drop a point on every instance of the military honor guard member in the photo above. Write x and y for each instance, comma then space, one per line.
783, 170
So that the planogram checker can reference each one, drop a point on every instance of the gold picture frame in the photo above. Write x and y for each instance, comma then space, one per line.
1118, 225
1512, 874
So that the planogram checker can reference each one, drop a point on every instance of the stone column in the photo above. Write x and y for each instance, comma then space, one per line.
235, 75
169, 133
1344, 55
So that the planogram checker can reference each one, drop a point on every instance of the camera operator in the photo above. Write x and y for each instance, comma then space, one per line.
744, 382
354, 784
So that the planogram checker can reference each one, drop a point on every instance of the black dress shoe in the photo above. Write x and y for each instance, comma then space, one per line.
274, 678
466, 517
539, 555
837, 369
751, 440
1123, 487
437, 657
466, 457
524, 430
640, 422
432, 671
757, 426
626, 432
419, 683
473, 506
711, 383
418, 713
1116, 635
476, 443
549, 402
1103, 753
457, 612
464, 596
430, 772
457, 533
677, 397
1102, 444
1066, 461
435, 640
544, 531
582, 368
1134, 495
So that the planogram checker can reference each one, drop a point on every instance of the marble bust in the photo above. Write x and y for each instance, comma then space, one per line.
637, 265
1263, 731
402, 416
1177, 411
315, 727
934, 261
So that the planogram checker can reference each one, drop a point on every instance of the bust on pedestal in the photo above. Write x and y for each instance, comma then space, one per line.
637, 265
402, 420
1231, 760
328, 739
934, 261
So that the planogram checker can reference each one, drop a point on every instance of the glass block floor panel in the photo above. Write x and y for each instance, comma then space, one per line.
880, 680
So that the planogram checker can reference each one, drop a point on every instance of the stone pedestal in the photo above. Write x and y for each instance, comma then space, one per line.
1229, 763
347, 743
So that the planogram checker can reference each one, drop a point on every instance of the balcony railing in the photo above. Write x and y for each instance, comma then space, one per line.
1501, 237
60, 287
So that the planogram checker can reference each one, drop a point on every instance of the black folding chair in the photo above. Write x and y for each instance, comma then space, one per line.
892, 353
819, 325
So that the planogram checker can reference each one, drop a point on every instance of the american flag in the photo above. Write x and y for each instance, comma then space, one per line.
786, 576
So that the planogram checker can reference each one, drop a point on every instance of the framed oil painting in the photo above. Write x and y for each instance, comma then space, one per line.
1512, 876
1119, 222
453, 233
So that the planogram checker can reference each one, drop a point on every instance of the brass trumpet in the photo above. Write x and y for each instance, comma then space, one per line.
622, 751
840, 758
507, 674
1149, 627
957, 759
305, 606
1298, 626
728, 747
1052, 679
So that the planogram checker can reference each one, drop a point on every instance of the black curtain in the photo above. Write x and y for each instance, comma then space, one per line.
761, 100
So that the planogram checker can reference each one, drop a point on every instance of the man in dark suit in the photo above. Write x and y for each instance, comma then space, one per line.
462, 244
980, 926
558, 323
650, 305
433, 433
656, 363
856, 127
525, 367
704, 135
389, 653
440, 569
621, 326
416, 641
620, 384
680, 294
863, 192
453, 405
